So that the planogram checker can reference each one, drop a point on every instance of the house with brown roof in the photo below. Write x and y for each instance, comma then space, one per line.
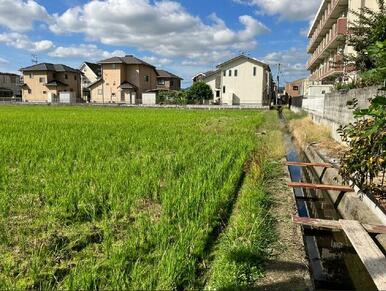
46, 82
123, 80
168, 81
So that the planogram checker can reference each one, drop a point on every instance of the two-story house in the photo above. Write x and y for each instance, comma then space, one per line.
123, 80
168, 81
45, 82
90, 74
240, 81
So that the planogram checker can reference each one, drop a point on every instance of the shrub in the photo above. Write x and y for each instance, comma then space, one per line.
199, 92
365, 160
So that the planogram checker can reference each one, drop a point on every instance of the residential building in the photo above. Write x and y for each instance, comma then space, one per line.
327, 39
46, 82
295, 88
168, 81
240, 81
10, 85
90, 74
123, 80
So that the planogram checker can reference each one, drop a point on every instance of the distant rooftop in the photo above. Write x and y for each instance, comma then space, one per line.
166, 74
96, 68
129, 60
253, 60
50, 67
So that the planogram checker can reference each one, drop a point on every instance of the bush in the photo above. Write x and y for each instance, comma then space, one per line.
172, 97
365, 160
199, 92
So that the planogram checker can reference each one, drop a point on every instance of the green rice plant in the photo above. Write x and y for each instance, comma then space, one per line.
112, 198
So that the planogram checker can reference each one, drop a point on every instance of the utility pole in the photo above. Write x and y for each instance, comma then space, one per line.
278, 82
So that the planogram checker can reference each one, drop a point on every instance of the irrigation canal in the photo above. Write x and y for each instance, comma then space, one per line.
333, 261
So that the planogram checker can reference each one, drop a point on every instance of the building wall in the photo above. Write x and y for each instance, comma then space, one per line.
96, 93
112, 76
11, 82
40, 92
173, 84
290, 88
245, 88
211, 81
146, 85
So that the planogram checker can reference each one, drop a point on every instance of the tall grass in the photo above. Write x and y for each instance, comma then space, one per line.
95, 198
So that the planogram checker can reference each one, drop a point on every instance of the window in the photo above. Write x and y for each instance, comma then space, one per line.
161, 82
29, 91
254, 71
295, 88
114, 66
41, 80
171, 82
146, 78
31, 76
99, 91
225, 73
75, 77
44, 92
230, 73
65, 76
223, 89
112, 94
71, 90
236, 73
217, 93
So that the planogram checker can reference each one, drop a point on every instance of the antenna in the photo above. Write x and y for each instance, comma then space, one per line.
34, 59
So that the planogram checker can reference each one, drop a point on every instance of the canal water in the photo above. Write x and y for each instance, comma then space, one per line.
333, 261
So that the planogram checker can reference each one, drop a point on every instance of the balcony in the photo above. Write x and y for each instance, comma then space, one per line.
330, 69
331, 41
331, 13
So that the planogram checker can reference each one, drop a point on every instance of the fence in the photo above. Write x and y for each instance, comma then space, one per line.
333, 111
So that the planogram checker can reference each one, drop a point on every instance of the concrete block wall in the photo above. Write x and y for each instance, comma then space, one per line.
332, 110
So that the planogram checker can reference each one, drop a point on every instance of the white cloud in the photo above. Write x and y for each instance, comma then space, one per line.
85, 51
158, 62
19, 15
286, 9
164, 28
3, 62
292, 62
21, 41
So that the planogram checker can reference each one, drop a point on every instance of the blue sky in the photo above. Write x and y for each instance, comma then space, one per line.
184, 37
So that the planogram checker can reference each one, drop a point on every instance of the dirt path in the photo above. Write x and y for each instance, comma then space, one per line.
288, 267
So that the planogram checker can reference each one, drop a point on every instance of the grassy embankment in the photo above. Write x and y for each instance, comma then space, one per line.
247, 241
129, 199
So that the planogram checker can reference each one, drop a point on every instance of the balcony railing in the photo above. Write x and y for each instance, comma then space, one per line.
322, 23
340, 29
333, 67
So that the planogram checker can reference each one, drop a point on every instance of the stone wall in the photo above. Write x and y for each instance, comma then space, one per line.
332, 110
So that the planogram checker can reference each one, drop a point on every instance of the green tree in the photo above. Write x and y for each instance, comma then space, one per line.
199, 92
366, 31
377, 54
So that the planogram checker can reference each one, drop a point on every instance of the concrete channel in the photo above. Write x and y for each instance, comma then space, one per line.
333, 262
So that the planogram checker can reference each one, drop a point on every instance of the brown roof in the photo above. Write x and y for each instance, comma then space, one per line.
96, 68
166, 74
50, 67
129, 60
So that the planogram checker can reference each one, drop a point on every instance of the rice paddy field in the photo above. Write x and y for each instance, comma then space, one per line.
111, 198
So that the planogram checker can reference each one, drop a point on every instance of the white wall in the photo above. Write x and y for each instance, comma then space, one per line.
148, 98
245, 89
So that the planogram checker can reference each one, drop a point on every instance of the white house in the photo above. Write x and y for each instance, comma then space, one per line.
240, 81
90, 74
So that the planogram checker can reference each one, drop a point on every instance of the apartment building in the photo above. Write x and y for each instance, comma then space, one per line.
240, 81
10, 85
46, 82
168, 81
327, 39
123, 80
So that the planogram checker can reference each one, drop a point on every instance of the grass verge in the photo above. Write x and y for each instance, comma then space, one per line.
245, 244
